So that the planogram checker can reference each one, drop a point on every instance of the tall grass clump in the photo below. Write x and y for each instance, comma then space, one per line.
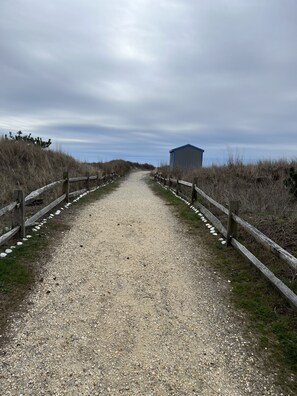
263, 189
28, 166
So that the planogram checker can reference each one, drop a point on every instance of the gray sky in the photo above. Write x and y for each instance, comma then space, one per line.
134, 78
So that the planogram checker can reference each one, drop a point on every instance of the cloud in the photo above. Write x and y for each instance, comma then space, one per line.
140, 77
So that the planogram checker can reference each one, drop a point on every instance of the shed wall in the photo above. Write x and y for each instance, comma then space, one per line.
186, 158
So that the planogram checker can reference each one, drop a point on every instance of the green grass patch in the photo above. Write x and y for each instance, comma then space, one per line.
15, 269
268, 317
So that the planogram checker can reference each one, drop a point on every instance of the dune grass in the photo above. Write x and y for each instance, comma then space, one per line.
28, 167
265, 201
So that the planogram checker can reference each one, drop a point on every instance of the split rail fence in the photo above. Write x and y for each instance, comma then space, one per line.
17, 209
231, 232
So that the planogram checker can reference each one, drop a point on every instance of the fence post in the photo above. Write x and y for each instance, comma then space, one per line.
88, 181
194, 193
176, 190
169, 181
98, 180
66, 186
232, 225
19, 213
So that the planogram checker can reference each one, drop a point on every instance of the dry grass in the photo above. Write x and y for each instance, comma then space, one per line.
264, 200
28, 167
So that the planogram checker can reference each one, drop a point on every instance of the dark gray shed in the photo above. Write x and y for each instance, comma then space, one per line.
186, 157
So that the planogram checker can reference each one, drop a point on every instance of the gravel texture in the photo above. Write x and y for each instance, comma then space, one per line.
130, 306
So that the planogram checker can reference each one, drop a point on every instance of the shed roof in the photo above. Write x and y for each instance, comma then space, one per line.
186, 145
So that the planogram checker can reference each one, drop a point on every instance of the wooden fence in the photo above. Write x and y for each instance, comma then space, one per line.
17, 209
230, 233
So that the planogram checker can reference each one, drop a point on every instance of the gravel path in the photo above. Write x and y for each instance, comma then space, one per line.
133, 310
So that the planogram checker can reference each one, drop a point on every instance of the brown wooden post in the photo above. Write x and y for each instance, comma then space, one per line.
98, 180
169, 181
232, 225
66, 186
19, 213
88, 181
194, 193
177, 189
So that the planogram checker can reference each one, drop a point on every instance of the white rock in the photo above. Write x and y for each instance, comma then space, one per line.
2, 255
19, 243
8, 251
29, 236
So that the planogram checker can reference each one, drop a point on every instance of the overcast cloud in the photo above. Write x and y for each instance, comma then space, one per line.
134, 78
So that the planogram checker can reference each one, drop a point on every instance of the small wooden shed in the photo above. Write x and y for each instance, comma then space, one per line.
186, 157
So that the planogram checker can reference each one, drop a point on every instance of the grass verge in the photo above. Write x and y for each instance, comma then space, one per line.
268, 317
21, 269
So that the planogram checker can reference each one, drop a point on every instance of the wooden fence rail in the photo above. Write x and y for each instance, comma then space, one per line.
231, 234
8, 208
17, 208
35, 194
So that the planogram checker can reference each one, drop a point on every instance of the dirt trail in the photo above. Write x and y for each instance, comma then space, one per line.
133, 310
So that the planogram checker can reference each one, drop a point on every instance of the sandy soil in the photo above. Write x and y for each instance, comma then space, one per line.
130, 306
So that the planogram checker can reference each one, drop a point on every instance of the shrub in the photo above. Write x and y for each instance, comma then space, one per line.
37, 141
291, 181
